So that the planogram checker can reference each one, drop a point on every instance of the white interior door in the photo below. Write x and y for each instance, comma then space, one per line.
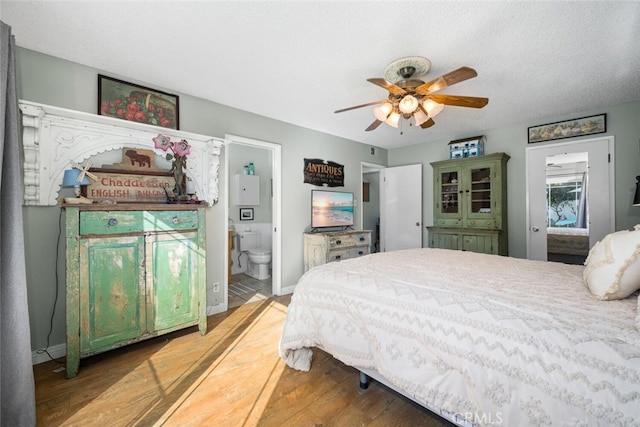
401, 208
600, 190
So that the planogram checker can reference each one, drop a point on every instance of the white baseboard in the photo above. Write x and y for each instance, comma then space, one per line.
215, 309
287, 290
56, 351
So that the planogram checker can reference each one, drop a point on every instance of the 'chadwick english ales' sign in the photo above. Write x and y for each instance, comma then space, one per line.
323, 172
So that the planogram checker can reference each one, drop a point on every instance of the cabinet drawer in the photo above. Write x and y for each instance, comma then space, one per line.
346, 240
338, 255
359, 251
340, 241
110, 222
170, 220
482, 223
361, 239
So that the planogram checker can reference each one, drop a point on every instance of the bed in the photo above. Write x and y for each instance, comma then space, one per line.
479, 339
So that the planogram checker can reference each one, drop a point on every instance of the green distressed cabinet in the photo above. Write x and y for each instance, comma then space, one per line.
132, 273
470, 204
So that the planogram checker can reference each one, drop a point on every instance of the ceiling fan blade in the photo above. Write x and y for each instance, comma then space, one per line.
446, 80
460, 101
374, 125
382, 101
427, 124
396, 90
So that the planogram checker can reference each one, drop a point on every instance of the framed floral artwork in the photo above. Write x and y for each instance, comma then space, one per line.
128, 101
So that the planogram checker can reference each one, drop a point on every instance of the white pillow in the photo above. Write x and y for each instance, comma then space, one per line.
613, 265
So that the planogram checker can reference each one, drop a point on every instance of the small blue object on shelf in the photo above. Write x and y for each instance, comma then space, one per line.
468, 147
70, 179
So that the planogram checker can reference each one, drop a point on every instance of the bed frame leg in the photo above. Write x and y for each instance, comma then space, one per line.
364, 381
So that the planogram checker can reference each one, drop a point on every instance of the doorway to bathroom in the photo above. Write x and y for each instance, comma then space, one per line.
253, 217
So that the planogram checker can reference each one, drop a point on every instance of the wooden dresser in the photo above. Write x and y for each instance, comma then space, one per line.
133, 272
323, 247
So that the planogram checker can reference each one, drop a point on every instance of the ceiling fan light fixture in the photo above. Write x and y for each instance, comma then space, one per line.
420, 117
432, 107
393, 119
382, 111
408, 104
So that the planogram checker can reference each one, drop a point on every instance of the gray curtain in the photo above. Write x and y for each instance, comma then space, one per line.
581, 221
17, 390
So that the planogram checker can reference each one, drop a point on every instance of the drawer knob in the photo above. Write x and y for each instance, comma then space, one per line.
175, 220
338, 256
338, 242
362, 239
112, 222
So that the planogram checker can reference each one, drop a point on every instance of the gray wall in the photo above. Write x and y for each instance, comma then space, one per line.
49, 80
623, 122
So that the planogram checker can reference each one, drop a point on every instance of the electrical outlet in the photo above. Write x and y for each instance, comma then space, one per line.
216, 287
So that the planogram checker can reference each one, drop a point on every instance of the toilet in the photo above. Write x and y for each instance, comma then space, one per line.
259, 258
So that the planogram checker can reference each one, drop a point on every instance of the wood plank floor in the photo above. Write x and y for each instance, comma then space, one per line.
233, 376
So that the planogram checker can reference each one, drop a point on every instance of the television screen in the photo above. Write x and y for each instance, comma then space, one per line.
331, 209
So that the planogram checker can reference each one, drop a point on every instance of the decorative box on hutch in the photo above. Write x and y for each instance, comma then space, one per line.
467, 147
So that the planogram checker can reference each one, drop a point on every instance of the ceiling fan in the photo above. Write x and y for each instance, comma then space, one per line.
411, 97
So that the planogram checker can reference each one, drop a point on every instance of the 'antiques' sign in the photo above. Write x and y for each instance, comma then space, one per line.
323, 172
130, 187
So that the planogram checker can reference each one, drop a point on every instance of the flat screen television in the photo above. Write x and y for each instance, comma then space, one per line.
331, 209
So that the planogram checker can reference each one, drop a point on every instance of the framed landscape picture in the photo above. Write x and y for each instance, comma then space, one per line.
246, 214
128, 101
568, 128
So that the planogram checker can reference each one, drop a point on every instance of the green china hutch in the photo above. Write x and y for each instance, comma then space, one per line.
470, 204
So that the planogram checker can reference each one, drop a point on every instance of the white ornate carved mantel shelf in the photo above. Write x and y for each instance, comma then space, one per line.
53, 137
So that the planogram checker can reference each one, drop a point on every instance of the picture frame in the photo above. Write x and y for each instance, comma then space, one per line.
129, 101
246, 214
567, 129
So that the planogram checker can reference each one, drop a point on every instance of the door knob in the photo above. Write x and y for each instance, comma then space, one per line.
535, 229
417, 224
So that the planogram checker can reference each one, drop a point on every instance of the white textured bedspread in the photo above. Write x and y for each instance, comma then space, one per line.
494, 340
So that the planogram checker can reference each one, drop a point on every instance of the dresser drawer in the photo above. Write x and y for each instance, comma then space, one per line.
340, 241
361, 238
110, 222
170, 220
359, 251
338, 255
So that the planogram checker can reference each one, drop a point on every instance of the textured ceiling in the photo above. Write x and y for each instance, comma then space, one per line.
299, 61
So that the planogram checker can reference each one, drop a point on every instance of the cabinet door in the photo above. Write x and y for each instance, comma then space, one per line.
247, 190
172, 261
480, 243
111, 291
444, 240
447, 193
481, 188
